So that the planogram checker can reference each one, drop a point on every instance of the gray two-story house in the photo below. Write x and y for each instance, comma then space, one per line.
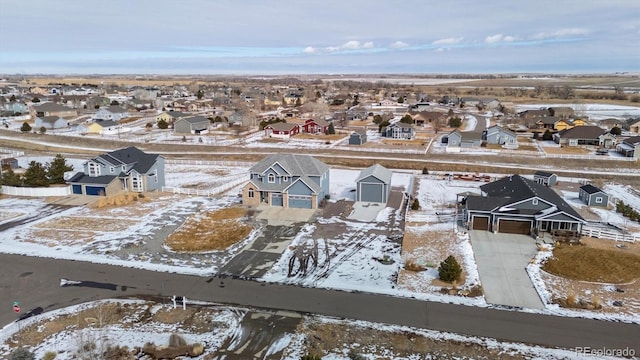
399, 130
500, 136
128, 169
286, 180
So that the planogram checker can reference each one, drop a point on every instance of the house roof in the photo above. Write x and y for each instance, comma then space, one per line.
50, 119
380, 172
401, 125
195, 119
81, 178
280, 126
140, 160
514, 188
115, 109
106, 123
360, 131
295, 165
582, 132
590, 189
633, 141
550, 120
501, 129
319, 122
543, 174
49, 107
175, 114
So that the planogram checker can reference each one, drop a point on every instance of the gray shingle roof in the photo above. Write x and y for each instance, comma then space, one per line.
582, 132
379, 171
543, 173
141, 161
81, 178
195, 119
590, 189
295, 165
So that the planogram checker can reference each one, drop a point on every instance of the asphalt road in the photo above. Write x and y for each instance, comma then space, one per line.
35, 282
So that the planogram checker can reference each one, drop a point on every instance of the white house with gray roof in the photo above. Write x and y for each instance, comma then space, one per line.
192, 125
128, 169
374, 184
287, 180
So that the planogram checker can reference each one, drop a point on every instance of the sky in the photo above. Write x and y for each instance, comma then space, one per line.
318, 37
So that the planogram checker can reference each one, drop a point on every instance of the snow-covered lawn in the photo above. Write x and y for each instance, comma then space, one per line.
593, 111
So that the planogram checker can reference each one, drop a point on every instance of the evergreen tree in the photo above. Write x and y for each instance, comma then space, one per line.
449, 270
9, 178
547, 135
162, 124
43, 130
25, 127
36, 175
407, 119
57, 168
331, 129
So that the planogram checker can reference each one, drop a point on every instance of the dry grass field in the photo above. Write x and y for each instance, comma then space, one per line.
321, 137
214, 230
572, 150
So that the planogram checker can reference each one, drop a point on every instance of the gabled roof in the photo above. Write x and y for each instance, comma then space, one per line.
115, 109
633, 141
81, 178
380, 172
296, 165
106, 123
590, 189
195, 119
515, 188
360, 131
499, 128
50, 119
401, 125
49, 107
319, 122
550, 120
280, 126
582, 132
543, 174
140, 160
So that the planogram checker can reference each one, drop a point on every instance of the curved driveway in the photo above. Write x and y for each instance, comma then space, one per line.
35, 283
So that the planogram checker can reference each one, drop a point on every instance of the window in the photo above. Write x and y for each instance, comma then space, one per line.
534, 201
124, 167
271, 178
285, 178
250, 193
598, 200
112, 169
136, 183
155, 174
94, 169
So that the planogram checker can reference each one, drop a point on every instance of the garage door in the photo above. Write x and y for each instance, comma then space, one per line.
276, 199
371, 193
480, 223
95, 190
77, 189
300, 202
514, 226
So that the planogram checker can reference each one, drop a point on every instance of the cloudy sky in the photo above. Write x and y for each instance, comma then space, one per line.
308, 36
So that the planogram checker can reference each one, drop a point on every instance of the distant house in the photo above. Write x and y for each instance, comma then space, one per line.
315, 126
281, 130
235, 119
374, 184
533, 113
399, 130
128, 169
286, 180
634, 125
629, 146
545, 178
358, 137
50, 122
584, 135
592, 196
500, 136
170, 117
554, 123
191, 125
464, 139
107, 127
53, 109
563, 112
112, 112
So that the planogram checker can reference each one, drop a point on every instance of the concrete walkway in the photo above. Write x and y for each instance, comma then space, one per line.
501, 260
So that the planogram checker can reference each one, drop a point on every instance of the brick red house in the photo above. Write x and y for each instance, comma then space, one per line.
312, 126
281, 130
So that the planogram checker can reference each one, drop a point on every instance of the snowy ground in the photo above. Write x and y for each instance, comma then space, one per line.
593, 111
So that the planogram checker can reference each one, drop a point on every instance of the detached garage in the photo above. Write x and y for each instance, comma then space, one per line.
509, 226
374, 184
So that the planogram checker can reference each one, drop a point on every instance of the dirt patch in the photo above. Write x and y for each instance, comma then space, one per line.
119, 200
332, 137
214, 230
87, 224
585, 263
573, 150
414, 142
61, 237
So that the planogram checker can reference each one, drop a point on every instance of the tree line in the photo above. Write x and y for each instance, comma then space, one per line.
38, 175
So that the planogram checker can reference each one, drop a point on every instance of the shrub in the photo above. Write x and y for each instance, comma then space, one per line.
25, 127
425, 171
449, 270
43, 130
547, 135
21, 354
410, 265
310, 357
49, 355
415, 205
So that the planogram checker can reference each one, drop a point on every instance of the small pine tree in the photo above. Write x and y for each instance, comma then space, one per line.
36, 175
43, 130
162, 124
57, 168
449, 270
415, 205
25, 127
21, 354
184, 138
9, 178
425, 171
331, 129
547, 135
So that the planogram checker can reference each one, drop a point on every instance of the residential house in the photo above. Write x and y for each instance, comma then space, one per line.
419, 107
107, 127
533, 114
50, 122
585, 135
287, 180
374, 184
170, 117
629, 146
16, 107
128, 169
500, 136
235, 119
428, 117
192, 125
112, 112
464, 139
53, 109
281, 130
634, 125
514, 204
358, 137
554, 123
399, 130
563, 112
592, 196
315, 126
545, 178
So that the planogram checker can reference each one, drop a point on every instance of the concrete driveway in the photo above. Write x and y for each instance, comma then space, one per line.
501, 260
